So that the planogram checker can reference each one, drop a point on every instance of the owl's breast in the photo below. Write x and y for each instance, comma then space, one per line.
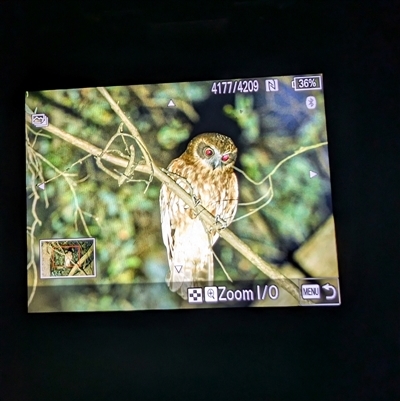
218, 193
216, 189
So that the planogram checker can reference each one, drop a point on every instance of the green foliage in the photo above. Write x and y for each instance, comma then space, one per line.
294, 205
245, 115
170, 136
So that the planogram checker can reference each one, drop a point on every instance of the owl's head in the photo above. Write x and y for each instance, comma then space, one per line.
212, 150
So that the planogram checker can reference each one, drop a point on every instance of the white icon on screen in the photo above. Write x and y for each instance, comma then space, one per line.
211, 294
178, 268
271, 85
310, 291
40, 120
195, 295
311, 102
331, 289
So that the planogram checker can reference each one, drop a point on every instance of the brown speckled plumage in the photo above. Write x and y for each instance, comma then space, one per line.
206, 171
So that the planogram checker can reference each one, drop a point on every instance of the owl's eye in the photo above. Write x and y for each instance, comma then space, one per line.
208, 152
225, 158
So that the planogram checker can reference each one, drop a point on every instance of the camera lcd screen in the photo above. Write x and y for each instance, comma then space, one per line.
180, 196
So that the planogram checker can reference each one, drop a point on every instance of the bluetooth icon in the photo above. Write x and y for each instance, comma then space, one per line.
311, 102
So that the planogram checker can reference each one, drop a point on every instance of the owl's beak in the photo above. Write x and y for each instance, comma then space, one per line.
217, 163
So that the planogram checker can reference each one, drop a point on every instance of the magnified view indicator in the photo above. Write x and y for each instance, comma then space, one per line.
211, 294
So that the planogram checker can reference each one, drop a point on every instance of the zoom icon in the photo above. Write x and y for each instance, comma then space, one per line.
211, 294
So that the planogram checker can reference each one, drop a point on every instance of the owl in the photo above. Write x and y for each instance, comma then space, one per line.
205, 171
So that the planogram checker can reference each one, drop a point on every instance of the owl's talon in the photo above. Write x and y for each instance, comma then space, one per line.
196, 201
220, 223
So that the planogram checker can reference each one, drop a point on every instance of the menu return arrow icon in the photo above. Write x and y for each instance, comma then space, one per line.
328, 287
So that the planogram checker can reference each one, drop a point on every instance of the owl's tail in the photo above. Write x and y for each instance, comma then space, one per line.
190, 271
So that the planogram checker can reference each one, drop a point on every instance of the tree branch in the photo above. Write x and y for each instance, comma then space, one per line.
80, 262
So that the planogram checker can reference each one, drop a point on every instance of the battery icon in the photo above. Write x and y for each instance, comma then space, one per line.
307, 83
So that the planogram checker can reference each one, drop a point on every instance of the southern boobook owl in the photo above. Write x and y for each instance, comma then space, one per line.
205, 171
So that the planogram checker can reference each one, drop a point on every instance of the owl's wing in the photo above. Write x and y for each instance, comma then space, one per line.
171, 207
222, 203
189, 247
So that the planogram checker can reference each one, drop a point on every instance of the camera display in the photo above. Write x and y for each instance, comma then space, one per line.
180, 195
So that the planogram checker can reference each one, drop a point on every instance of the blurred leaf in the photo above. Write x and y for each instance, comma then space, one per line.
169, 137
133, 262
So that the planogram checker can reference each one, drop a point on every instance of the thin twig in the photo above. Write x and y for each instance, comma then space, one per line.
302, 149
271, 190
132, 129
78, 209
222, 266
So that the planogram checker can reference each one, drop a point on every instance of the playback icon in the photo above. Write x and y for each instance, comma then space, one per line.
40, 120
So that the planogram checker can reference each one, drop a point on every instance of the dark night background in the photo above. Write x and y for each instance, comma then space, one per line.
347, 353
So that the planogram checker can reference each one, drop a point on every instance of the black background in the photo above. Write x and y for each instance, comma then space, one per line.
346, 353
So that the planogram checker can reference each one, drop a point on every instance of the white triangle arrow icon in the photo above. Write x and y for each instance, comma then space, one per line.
41, 186
178, 268
313, 174
171, 103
